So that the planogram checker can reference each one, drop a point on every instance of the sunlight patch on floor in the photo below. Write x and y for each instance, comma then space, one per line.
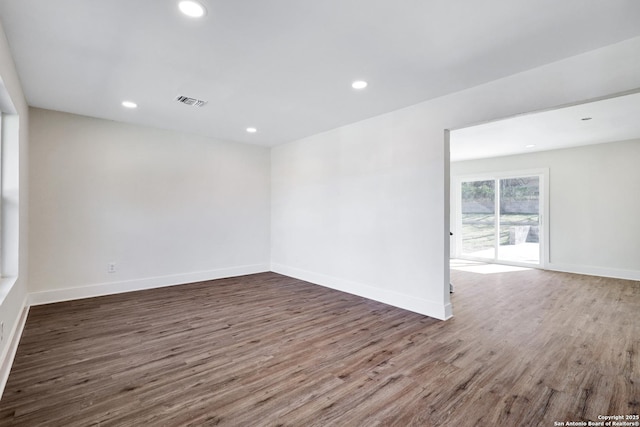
523, 252
483, 268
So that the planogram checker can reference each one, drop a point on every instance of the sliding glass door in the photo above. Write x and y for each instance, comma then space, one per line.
520, 220
500, 219
478, 219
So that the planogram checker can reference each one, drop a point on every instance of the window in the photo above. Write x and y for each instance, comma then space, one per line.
500, 218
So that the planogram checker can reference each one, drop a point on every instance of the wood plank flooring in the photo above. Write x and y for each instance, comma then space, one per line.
527, 348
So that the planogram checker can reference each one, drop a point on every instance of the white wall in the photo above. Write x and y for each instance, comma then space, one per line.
166, 207
14, 242
346, 211
593, 204
363, 208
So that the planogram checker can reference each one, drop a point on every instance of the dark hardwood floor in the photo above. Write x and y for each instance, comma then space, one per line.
525, 348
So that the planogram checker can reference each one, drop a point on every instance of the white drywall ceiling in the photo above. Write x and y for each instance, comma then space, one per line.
610, 120
286, 66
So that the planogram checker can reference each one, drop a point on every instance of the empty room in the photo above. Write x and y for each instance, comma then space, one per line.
240, 213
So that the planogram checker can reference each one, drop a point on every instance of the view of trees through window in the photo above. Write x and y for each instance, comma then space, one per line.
516, 225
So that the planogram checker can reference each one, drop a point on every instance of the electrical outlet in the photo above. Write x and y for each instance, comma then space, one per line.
111, 267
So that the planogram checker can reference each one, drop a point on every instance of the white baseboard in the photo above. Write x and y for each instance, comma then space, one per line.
417, 305
101, 289
14, 338
595, 271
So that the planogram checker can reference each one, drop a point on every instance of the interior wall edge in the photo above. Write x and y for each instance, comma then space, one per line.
110, 288
395, 299
14, 339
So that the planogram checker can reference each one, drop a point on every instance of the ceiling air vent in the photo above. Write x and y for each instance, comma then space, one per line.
191, 101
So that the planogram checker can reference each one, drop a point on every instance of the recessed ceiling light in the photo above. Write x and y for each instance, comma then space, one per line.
129, 104
252, 130
359, 84
586, 118
192, 8
530, 146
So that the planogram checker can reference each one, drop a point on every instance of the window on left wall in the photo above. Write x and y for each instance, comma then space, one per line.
9, 190
2, 137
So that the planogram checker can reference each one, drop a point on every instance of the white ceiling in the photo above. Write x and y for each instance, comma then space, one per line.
286, 66
613, 119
